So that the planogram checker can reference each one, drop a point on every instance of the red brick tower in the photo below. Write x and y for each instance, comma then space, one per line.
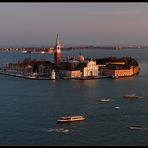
57, 53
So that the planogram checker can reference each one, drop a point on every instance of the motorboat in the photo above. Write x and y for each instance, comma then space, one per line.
105, 100
131, 96
116, 107
71, 119
135, 127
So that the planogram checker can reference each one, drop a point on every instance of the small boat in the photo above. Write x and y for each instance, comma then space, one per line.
135, 127
114, 77
117, 107
71, 119
105, 100
131, 96
138, 127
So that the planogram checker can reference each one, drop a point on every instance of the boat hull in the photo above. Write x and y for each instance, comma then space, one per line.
63, 121
71, 120
130, 97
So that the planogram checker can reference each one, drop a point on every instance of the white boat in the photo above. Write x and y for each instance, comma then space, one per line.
135, 127
114, 76
32, 76
105, 100
138, 127
116, 107
71, 118
131, 96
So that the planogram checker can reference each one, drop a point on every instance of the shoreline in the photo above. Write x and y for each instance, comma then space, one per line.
23, 76
46, 78
14, 74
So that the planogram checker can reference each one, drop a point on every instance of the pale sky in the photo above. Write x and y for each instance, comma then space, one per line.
26, 24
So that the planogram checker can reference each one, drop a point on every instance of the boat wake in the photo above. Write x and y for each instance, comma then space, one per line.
56, 130
59, 130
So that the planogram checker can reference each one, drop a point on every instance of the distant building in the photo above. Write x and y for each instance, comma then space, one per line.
70, 73
29, 67
81, 57
118, 67
91, 69
69, 69
119, 71
76, 68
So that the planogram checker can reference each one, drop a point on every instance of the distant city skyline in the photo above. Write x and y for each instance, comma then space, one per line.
37, 24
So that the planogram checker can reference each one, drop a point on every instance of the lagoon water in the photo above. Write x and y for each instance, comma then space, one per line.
29, 109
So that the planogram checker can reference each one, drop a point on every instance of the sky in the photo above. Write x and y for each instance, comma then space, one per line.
37, 24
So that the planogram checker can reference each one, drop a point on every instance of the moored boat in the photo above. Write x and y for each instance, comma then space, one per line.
71, 118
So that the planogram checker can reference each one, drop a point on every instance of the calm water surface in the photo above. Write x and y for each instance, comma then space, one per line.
29, 109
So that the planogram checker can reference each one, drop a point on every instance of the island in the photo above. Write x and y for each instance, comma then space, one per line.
79, 67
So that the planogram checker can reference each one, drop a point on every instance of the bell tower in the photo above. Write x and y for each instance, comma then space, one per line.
57, 52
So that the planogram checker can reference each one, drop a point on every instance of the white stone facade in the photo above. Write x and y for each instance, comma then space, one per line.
91, 69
